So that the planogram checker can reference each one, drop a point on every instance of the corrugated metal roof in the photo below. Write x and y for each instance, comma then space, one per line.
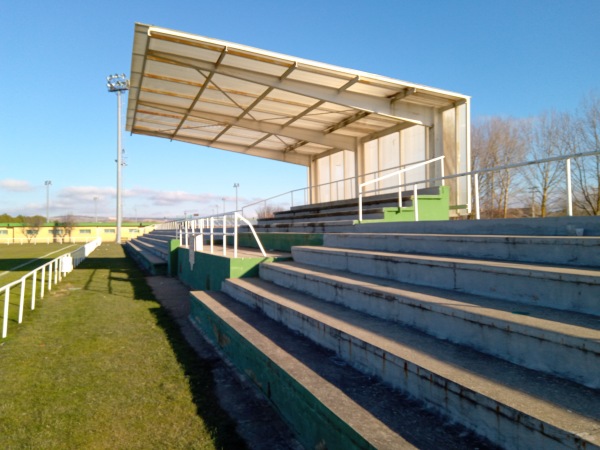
233, 97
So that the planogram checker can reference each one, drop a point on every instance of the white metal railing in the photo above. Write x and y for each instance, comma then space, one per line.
53, 270
475, 174
303, 196
195, 231
399, 174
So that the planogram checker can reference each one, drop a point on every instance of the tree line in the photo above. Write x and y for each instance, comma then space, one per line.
30, 225
538, 190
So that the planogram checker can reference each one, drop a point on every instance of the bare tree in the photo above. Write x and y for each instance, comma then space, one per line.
267, 211
497, 142
32, 227
586, 173
546, 139
68, 224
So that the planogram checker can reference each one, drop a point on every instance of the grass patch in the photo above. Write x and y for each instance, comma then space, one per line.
17, 260
102, 365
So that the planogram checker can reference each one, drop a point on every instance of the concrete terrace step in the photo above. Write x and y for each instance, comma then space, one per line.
560, 250
513, 406
327, 216
158, 250
329, 404
382, 199
146, 259
557, 287
157, 247
558, 342
336, 226
547, 226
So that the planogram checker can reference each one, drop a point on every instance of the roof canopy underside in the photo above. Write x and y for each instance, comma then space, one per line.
242, 99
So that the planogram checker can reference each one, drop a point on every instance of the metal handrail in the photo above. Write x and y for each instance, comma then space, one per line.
318, 186
196, 230
399, 174
566, 158
57, 269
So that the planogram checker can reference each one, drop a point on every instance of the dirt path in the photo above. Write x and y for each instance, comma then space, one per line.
256, 421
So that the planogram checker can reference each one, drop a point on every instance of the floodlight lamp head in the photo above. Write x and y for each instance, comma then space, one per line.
117, 83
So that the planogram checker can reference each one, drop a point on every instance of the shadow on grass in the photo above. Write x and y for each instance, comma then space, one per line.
199, 375
198, 371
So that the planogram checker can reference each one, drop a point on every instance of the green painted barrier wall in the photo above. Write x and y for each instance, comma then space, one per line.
281, 242
314, 424
209, 271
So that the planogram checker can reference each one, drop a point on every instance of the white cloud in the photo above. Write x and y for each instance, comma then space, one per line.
15, 185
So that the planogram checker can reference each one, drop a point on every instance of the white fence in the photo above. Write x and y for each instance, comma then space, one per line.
50, 273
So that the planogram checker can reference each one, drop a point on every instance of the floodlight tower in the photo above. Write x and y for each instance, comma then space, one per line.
47, 183
118, 83
236, 186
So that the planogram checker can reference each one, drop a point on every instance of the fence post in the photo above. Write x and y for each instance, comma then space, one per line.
5, 318
43, 283
33, 289
224, 235
235, 234
477, 216
22, 299
569, 191
415, 203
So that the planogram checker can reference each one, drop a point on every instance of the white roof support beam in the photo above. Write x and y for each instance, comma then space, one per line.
317, 137
294, 158
417, 114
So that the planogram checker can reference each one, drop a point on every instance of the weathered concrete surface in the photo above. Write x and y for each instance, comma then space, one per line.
511, 405
535, 337
575, 289
322, 392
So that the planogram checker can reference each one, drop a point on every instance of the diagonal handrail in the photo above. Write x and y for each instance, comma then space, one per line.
398, 174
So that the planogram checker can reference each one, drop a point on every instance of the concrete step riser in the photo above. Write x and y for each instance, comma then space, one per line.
566, 251
487, 417
161, 253
561, 291
318, 219
550, 352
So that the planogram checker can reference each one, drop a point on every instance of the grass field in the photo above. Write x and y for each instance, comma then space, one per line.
17, 260
101, 365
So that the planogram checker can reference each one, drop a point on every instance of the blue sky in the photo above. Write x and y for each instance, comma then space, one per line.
58, 122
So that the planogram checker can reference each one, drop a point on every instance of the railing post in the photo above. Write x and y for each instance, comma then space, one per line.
43, 283
22, 299
569, 190
400, 190
224, 235
235, 235
212, 227
477, 216
201, 235
360, 215
5, 318
415, 203
33, 289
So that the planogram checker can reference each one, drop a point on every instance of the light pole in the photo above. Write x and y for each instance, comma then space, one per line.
236, 186
118, 83
96, 209
47, 183
223, 204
